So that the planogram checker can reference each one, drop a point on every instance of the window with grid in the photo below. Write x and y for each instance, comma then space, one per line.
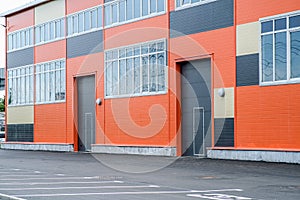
85, 21
280, 50
50, 31
121, 11
20, 39
136, 70
50, 82
20, 85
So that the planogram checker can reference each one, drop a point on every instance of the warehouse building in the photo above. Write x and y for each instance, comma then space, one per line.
215, 78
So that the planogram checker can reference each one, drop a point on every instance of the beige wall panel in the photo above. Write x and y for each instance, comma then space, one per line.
49, 11
247, 38
224, 106
20, 115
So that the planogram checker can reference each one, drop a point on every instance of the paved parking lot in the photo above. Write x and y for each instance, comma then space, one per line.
45, 175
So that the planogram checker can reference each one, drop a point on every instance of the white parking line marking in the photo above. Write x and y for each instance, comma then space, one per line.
60, 183
123, 193
218, 196
21, 175
52, 178
92, 187
9, 197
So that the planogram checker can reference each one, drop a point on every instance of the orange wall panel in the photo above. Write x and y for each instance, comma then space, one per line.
137, 121
251, 11
78, 5
140, 31
220, 43
268, 117
20, 20
50, 123
50, 51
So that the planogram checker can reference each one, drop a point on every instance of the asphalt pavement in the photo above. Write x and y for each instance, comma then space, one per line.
54, 175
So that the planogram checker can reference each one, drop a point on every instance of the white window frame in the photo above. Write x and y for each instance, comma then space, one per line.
288, 32
190, 4
140, 93
21, 92
14, 34
149, 15
90, 25
47, 85
48, 23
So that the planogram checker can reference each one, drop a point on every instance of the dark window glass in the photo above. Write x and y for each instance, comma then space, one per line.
280, 24
267, 26
295, 21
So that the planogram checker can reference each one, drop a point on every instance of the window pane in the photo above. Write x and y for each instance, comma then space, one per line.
161, 71
129, 76
46, 32
267, 58
87, 21
94, 18
42, 33
185, 2
295, 54
62, 81
57, 29
137, 75
14, 38
80, 22
295, 21
108, 79
152, 71
137, 8
160, 5
9, 42
280, 56
107, 15
178, 3
145, 7
115, 78
52, 85
38, 88
122, 74
70, 25
280, 24
42, 84
267, 26
114, 8
75, 23
37, 35
18, 40
195, 1
122, 11
99, 17
23, 38
129, 10
152, 6
145, 73
62, 28
52, 30
27, 36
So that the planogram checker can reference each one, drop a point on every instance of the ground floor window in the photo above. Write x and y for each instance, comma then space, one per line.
136, 70
50, 82
20, 85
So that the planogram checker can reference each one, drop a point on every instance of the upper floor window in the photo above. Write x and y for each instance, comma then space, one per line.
187, 3
20, 85
50, 31
280, 50
120, 11
136, 70
85, 21
20, 39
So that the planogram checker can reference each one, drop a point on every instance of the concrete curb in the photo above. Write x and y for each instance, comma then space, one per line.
7, 197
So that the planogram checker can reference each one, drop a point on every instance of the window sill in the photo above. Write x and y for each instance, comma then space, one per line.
136, 95
277, 83
193, 5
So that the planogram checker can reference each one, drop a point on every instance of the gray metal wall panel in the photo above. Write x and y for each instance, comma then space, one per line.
195, 92
19, 133
206, 17
247, 70
85, 44
20, 58
224, 132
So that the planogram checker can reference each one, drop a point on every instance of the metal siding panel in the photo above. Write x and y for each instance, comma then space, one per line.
85, 44
20, 115
206, 17
20, 58
247, 70
224, 132
20, 133
247, 38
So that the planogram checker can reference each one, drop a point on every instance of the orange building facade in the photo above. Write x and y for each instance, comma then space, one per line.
212, 78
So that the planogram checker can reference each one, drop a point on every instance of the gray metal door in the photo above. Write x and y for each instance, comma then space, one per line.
196, 107
86, 112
